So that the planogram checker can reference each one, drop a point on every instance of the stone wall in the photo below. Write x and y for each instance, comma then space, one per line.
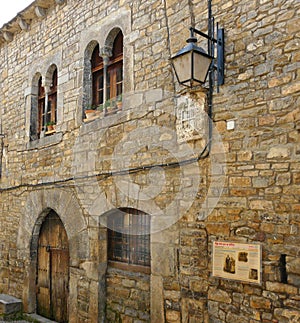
128, 296
245, 190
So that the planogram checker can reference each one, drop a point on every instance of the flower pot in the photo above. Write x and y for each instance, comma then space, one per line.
51, 127
119, 105
89, 113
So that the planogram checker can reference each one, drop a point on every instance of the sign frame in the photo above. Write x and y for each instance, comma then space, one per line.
237, 261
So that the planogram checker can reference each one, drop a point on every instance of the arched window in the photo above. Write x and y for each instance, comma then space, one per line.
52, 100
129, 237
43, 105
115, 69
98, 77
107, 74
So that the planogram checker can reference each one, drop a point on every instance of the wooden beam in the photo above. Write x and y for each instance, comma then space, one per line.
22, 23
40, 12
8, 36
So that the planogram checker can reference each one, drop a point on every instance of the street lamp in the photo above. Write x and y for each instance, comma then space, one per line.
192, 64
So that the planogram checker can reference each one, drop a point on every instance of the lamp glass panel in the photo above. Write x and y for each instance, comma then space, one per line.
182, 65
201, 66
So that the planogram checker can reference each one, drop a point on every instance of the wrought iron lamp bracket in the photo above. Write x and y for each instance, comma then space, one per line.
212, 42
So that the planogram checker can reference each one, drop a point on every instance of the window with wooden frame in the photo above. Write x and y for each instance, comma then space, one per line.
52, 100
129, 237
115, 69
47, 113
52, 105
98, 77
107, 86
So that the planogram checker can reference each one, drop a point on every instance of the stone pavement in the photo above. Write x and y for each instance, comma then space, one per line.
31, 318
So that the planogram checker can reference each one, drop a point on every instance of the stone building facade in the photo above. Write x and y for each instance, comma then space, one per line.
150, 159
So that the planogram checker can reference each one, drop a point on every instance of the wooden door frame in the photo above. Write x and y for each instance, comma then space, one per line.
34, 257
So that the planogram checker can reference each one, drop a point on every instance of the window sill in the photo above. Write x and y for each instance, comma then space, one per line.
101, 114
50, 132
54, 139
129, 267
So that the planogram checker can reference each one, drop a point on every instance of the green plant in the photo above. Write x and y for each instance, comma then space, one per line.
107, 103
100, 107
113, 103
119, 101
50, 123
12, 317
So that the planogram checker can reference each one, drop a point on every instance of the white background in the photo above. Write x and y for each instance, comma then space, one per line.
10, 8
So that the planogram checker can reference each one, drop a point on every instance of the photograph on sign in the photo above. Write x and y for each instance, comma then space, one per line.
237, 261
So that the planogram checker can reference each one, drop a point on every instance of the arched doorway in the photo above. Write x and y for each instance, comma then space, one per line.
53, 270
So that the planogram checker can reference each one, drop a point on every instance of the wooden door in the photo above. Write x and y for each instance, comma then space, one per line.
53, 270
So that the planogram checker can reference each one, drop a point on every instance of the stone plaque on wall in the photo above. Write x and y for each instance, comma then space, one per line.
238, 261
191, 119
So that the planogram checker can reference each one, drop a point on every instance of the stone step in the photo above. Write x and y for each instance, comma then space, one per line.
40, 319
9, 305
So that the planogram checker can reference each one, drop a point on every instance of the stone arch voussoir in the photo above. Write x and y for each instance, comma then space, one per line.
49, 74
38, 205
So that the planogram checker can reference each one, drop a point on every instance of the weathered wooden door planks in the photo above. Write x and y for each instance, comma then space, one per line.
53, 270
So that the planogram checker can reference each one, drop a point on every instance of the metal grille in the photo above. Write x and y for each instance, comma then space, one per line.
129, 238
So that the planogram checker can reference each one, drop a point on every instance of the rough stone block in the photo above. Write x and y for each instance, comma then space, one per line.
260, 302
219, 295
281, 288
9, 305
173, 316
293, 265
278, 152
